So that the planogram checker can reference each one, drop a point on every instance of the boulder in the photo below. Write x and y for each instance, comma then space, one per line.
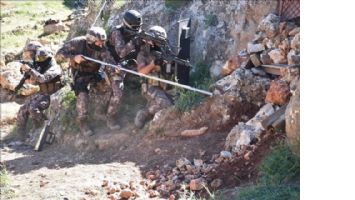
10, 77
294, 31
278, 56
126, 194
216, 70
265, 58
244, 86
9, 112
197, 184
243, 133
295, 43
279, 92
293, 57
255, 48
270, 25
54, 28
231, 65
292, 118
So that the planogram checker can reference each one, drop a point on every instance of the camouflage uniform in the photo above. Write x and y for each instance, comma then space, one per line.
153, 91
120, 43
87, 73
48, 79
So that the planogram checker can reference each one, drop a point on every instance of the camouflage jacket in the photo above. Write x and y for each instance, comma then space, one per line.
119, 45
47, 71
79, 46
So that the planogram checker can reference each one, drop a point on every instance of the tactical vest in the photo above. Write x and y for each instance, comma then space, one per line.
85, 66
126, 39
51, 86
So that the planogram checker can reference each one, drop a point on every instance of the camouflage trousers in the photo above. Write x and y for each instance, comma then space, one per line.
33, 108
100, 94
157, 99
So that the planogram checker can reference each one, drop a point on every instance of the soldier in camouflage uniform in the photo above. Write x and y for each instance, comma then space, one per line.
153, 91
46, 73
121, 41
86, 74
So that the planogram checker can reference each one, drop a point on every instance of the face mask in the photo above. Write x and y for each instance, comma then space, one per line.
94, 47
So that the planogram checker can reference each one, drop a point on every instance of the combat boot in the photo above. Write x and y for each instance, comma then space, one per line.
141, 118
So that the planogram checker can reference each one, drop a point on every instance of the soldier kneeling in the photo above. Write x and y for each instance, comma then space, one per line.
46, 73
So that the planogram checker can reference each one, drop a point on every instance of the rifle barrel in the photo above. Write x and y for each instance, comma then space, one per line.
152, 77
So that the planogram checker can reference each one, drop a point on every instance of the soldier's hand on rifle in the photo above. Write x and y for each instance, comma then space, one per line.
117, 69
78, 59
25, 68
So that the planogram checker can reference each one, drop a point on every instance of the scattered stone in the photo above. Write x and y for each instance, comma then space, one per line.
226, 154
157, 150
216, 183
171, 197
126, 194
197, 184
244, 86
112, 189
294, 31
198, 162
279, 92
153, 193
231, 65
278, 56
270, 25
243, 133
54, 27
284, 45
248, 155
265, 58
113, 197
182, 162
194, 132
92, 192
295, 43
255, 48
255, 59
104, 183
258, 71
293, 58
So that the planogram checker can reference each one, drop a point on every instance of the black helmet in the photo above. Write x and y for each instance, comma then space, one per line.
132, 19
43, 53
94, 34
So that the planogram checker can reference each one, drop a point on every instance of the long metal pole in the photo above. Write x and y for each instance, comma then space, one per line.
98, 14
151, 77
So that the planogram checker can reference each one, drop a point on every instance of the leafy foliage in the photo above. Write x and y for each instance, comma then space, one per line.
199, 78
279, 177
69, 105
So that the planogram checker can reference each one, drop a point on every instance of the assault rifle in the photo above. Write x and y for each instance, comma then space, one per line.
46, 136
165, 52
25, 75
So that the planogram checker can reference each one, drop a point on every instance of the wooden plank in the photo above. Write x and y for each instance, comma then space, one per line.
275, 69
266, 123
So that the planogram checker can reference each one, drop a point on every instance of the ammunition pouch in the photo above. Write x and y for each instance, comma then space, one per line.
51, 87
82, 81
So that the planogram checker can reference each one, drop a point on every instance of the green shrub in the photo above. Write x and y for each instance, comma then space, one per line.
279, 177
278, 192
199, 78
69, 113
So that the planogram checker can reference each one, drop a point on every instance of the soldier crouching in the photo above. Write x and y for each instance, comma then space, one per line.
46, 73
153, 91
87, 74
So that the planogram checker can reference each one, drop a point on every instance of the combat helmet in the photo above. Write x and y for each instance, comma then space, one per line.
132, 20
